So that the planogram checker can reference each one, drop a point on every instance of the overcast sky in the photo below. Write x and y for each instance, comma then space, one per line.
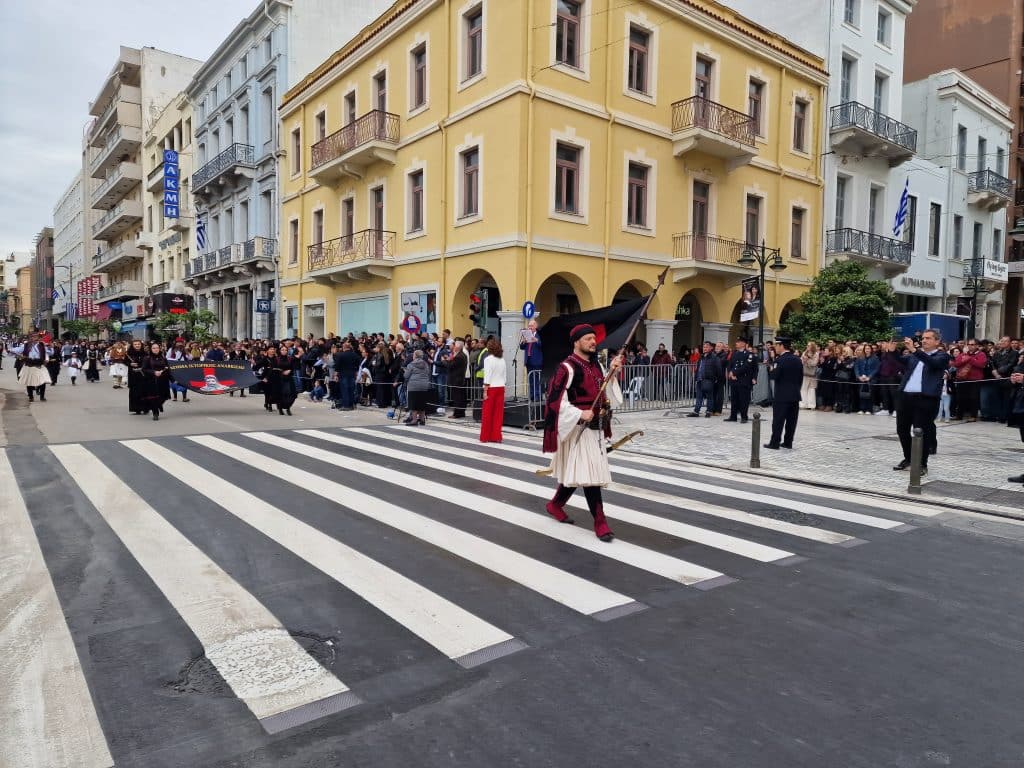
56, 54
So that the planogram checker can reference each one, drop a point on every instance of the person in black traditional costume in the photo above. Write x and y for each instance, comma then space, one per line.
156, 381
33, 374
134, 358
574, 430
280, 383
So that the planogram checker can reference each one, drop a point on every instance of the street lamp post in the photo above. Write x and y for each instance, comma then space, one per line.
764, 258
974, 273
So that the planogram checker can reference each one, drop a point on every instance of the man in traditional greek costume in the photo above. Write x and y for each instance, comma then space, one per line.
575, 427
33, 374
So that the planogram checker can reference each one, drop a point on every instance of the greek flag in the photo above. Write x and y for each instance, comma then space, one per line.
901, 212
55, 295
70, 311
200, 234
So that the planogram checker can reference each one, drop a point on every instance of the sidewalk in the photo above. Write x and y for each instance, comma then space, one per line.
849, 452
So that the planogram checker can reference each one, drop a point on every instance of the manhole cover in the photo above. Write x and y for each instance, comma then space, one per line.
788, 516
200, 676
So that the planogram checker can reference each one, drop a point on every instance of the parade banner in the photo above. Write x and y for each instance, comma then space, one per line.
750, 301
210, 378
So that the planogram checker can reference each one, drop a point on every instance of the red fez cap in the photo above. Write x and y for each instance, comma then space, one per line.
579, 331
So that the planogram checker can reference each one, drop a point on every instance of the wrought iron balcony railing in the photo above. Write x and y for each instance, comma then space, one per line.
869, 245
236, 253
376, 125
853, 114
236, 154
717, 250
697, 112
365, 244
989, 181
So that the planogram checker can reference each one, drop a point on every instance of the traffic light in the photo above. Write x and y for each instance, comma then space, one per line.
475, 308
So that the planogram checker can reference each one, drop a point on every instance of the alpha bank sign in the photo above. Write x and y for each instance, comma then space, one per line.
918, 283
172, 185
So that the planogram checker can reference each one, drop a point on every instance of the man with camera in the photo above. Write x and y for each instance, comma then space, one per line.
920, 390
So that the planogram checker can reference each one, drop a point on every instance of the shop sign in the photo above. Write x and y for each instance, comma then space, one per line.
995, 271
916, 282
172, 187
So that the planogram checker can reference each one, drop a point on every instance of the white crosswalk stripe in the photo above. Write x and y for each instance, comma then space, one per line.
404, 582
38, 661
733, 544
561, 586
630, 554
452, 630
265, 667
736, 493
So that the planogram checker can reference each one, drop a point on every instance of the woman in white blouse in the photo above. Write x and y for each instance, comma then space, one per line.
493, 415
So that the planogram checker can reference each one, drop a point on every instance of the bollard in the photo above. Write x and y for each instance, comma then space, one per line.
755, 442
916, 452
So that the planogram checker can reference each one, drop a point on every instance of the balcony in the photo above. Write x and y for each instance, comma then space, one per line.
119, 183
126, 214
155, 179
694, 254
238, 259
989, 190
126, 289
120, 255
121, 143
367, 140
701, 125
146, 241
861, 131
124, 108
890, 256
235, 161
359, 256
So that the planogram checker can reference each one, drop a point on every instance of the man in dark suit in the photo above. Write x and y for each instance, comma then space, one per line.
920, 391
788, 376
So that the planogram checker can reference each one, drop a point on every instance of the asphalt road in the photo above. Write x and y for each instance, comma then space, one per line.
452, 623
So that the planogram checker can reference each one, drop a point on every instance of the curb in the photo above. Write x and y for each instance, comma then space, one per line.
953, 504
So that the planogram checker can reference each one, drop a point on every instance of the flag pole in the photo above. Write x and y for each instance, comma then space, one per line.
629, 338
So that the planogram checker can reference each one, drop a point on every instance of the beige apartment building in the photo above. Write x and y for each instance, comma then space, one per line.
138, 88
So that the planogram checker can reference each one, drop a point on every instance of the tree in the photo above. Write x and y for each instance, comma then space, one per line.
843, 303
194, 324
81, 328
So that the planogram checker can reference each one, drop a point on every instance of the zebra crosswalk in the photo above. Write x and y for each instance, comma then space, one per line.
309, 572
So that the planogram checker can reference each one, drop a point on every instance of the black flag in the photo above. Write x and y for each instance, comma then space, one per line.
612, 326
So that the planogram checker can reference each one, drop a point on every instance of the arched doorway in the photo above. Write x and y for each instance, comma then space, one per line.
791, 308
476, 290
689, 331
635, 289
562, 293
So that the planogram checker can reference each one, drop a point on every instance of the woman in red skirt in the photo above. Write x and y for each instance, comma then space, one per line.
494, 394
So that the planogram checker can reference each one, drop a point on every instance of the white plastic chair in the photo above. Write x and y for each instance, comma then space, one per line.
633, 391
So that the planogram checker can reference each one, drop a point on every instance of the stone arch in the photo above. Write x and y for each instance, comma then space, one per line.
483, 283
791, 308
694, 308
562, 293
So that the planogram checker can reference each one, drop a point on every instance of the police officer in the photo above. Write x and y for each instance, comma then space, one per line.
742, 374
788, 376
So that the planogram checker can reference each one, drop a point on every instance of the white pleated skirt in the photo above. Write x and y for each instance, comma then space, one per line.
33, 377
119, 369
582, 461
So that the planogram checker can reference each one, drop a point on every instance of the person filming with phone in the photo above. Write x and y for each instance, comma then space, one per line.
920, 391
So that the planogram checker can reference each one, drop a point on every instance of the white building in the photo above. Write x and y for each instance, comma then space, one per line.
958, 193
234, 181
862, 43
68, 243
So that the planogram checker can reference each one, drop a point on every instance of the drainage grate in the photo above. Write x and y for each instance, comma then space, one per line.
200, 676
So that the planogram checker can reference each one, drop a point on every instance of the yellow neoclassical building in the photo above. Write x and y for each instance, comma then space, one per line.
563, 152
